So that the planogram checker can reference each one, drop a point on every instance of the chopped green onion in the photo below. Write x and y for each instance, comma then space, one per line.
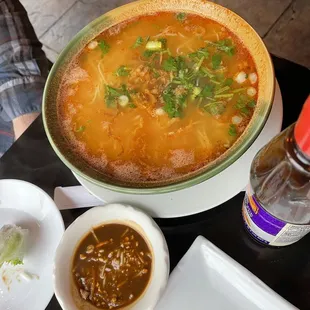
196, 91
207, 72
215, 81
238, 90
222, 90
198, 65
224, 96
80, 129
215, 108
154, 45
252, 104
232, 131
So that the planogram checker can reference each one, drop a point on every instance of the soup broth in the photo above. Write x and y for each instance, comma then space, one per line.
158, 97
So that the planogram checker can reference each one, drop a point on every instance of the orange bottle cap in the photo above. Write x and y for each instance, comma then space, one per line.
302, 129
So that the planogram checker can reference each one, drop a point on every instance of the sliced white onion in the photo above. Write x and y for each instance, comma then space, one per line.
123, 100
253, 77
92, 45
240, 77
251, 91
236, 119
160, 111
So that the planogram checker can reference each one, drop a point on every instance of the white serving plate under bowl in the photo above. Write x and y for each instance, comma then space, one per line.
28, 206
113, 213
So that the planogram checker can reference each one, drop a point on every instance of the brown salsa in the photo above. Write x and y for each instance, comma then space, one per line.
111, 266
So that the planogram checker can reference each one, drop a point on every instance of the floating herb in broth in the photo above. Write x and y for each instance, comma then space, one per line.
163, 101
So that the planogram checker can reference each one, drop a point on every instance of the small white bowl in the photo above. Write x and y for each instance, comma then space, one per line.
126, 215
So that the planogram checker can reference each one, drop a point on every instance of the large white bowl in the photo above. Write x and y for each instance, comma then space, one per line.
126, 215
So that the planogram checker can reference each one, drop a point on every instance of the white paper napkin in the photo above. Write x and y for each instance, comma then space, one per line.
75, 197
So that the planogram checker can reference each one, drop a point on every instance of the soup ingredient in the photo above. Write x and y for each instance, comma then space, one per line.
253, 77
104, 47
123, 71
138, 42
160, 93
154, 45
241, 77
251, 91
12, 244
92, 45
276, 207
112, 266
181, 16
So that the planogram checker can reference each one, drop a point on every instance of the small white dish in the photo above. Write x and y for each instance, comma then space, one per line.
96, 216
27, 206
207, 278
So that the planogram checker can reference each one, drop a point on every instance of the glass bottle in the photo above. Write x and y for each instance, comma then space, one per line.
276, 208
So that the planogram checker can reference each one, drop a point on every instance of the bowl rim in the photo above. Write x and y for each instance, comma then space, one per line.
182, 184
109, 214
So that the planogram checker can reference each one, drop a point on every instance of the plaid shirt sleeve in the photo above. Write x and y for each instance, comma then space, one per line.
23, 67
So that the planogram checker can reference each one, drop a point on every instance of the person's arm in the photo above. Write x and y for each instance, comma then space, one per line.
21, 123
23, 67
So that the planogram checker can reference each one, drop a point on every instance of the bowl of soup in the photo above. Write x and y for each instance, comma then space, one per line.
156, 96
111, 257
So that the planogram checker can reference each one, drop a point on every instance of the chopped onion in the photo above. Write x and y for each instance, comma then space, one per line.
251, 91
153, 45
236, 119
92, 45
123, 100
160, 111
26, 276
253, 77
240, 77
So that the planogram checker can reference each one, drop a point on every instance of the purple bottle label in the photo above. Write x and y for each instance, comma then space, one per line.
266, 228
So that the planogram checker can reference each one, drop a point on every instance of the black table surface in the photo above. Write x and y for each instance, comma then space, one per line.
286, 270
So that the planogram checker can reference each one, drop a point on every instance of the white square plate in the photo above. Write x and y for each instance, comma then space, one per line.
207, 278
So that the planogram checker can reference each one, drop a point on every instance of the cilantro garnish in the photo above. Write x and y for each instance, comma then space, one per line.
80, 129
148, 53
207, 91
104, 47
216, 61
112, 94
243, 106
15, 262
181, 17
225, 46
232, 131
138, 42
202, 52
174, 103
252, 104
174, 63
228, 82
122, 71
